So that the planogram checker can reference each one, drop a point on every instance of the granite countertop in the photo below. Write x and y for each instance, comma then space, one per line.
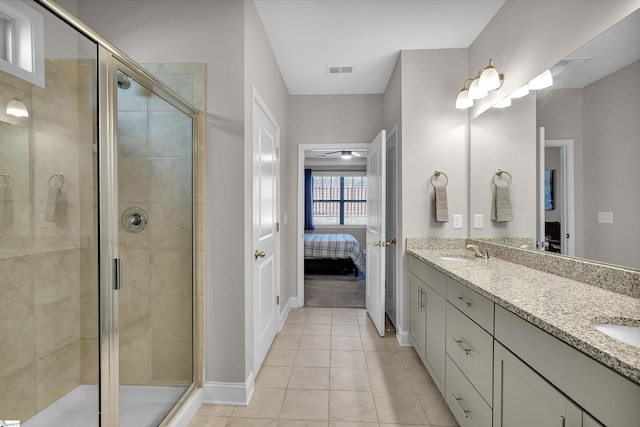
565, 308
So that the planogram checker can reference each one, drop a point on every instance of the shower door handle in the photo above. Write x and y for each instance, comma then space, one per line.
117, 274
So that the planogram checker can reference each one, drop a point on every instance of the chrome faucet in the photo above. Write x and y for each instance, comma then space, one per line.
478, 252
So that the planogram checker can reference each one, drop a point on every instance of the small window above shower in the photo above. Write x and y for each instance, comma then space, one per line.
22, 41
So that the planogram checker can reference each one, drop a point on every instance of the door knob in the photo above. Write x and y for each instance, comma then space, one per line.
390, 242
376, 243
260, 254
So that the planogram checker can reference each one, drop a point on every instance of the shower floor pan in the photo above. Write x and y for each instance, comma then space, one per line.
140, 406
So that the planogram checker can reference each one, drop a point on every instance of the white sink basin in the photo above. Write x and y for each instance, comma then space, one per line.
626, 334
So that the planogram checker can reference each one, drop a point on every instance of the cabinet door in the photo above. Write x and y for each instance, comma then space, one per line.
436, 317
523, 398
417, 314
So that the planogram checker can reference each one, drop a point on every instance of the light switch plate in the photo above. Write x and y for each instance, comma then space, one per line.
605, 217
478, 221
457, 221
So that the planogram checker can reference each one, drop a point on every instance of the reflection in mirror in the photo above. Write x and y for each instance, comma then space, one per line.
14, 180
595, 105
595, 102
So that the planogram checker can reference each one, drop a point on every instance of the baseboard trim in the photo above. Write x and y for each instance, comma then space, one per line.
222, 393
403, 338
291, 303
188, 410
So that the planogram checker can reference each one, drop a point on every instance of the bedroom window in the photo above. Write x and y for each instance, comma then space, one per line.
339, 200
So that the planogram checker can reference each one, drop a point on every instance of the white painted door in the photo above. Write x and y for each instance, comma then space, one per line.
265, 253
391, 231
376, 213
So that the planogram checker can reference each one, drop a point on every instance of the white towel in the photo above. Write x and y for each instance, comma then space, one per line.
52, 199
441, 204
501, 210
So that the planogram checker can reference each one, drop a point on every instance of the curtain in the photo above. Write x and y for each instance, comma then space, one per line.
308, 200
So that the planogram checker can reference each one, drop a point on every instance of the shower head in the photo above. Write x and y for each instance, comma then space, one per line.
123, 81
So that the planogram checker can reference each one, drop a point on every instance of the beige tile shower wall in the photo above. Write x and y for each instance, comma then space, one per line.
40, 323
155, 173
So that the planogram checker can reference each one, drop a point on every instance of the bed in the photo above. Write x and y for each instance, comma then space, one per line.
333, 251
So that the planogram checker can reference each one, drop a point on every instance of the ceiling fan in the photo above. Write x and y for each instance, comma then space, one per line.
345, 154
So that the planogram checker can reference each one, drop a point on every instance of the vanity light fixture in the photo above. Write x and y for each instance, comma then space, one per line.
544, 80
346, 155
16, 108
488, 79
475, 91
463, 101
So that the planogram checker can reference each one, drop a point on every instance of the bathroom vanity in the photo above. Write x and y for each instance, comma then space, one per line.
509, 345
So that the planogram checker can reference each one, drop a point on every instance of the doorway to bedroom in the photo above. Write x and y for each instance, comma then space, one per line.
335, 219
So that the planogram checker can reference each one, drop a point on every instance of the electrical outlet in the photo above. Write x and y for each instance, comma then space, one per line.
478, 221
457, 221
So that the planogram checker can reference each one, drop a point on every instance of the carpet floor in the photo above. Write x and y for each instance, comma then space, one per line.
334, 291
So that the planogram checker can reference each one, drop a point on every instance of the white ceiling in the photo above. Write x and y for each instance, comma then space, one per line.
309, 35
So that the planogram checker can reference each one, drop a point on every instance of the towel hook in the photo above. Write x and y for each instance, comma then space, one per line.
436, 174
6, 181
499, 173
56, 182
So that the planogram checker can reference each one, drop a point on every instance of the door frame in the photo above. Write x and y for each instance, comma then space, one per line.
258, 102
392, 146
337, 146
568, 245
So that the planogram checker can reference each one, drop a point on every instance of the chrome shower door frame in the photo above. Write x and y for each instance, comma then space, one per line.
109, 65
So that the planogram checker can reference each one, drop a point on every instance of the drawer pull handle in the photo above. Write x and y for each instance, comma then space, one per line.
467, 303
458, 400
459, 342
562, 421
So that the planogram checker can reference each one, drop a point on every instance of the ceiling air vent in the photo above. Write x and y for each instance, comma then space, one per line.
333, 70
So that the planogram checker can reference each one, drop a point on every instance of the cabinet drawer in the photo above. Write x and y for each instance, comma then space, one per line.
471, 303
471, 348
464, 401
429, 275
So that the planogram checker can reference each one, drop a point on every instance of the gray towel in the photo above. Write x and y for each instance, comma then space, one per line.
52, 200
501, 204
441, 204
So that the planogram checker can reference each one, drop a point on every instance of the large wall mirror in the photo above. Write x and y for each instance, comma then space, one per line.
587, 186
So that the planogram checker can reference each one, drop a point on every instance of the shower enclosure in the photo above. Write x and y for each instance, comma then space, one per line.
97, 321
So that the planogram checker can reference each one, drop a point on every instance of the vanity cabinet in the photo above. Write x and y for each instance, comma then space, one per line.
469, 349
523, 398
496, 369
603, 394
428, 317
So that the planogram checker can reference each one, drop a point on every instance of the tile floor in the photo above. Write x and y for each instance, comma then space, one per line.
329, 368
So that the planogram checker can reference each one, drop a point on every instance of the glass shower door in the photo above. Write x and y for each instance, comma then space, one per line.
48, 227
155, 244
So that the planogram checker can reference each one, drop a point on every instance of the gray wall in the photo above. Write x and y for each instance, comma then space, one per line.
560, 113
603, 142
505, 139
611, 174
